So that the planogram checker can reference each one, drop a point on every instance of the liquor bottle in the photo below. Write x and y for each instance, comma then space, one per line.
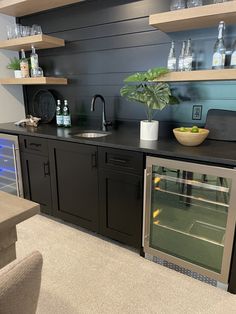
218, 60
34, 61
188, 57
171, 64
181, 57
233, 56
24, 65
59, 115
66, 115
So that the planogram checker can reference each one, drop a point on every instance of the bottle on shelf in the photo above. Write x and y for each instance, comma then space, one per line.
181, 57
218, 60
24, 65
59, 114
171, 63
34, 62
66, 115
188, 57
233, 56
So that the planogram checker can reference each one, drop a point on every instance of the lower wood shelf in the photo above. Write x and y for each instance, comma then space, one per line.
34, 81
203, 75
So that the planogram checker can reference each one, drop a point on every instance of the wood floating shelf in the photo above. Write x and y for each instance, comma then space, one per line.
34, 81
193, 18
26, 7
39, 41
203, 75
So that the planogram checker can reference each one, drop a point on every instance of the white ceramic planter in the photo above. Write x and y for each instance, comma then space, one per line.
17, 74
149, 130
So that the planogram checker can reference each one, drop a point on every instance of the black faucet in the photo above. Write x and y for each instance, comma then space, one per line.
104, 122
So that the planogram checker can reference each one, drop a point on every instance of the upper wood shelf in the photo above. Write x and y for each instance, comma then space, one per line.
193, 18
34, 81
39, 42
203, 75
26, 7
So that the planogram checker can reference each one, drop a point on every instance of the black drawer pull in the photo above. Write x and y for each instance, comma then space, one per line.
35, 144
119, 161
46, 169
94, 160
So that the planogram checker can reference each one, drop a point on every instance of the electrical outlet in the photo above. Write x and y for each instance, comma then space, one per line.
197, 112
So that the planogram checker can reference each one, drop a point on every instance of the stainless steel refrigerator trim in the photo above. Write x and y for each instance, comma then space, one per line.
231, 219
17, 161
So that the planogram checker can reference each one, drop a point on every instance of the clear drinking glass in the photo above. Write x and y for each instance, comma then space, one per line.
9, 32
38, 72
220, 1
177, 5
194, 3
36, 30
25, 31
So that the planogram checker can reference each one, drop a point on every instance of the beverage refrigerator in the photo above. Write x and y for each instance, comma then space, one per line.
10, 166
190, 215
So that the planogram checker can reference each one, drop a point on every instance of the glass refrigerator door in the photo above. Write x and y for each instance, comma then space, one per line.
8, 167
190, 220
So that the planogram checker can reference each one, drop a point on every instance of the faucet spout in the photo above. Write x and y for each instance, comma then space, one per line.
104, 122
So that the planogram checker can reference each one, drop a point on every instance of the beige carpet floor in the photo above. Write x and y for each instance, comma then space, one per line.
83, 273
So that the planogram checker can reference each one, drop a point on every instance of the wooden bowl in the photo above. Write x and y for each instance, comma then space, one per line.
190, 139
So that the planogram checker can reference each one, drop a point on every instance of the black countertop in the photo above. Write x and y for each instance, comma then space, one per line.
127, 137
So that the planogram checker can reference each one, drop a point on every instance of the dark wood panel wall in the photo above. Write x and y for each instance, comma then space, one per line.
108, 40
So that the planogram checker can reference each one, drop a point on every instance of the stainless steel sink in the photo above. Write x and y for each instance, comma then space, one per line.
91, 134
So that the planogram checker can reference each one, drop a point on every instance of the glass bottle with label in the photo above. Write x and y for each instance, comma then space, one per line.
66, 115
218, 60
181, 57
171, 64
34, 61
188, 57
59, 114
24, 65
233, 56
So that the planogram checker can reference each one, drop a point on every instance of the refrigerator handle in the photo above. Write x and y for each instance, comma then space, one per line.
144, 204
16, 169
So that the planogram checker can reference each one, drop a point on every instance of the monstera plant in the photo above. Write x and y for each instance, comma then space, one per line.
148, 89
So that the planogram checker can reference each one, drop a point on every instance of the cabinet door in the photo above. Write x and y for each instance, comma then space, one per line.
36, 180
121, 206
75, 183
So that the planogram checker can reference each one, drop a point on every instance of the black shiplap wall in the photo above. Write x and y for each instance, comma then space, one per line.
108, 40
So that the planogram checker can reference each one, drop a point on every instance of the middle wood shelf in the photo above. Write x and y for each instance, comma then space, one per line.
202, 75
39, 41
34, 81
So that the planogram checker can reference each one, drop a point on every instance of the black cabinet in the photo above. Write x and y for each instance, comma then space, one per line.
75, 183
36, 172
120, 192
100, 189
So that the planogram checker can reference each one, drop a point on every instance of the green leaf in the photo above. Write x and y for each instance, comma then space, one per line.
137, 77
156, 96
156, 73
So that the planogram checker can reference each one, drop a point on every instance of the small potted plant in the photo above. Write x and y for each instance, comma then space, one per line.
142, 88
14, 64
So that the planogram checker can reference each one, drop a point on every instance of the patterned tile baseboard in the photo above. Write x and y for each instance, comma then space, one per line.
182, 270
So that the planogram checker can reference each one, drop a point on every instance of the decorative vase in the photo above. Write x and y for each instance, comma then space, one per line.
149, 130
17, 74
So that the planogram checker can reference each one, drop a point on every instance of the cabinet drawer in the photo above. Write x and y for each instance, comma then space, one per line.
33, 144
121, 160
